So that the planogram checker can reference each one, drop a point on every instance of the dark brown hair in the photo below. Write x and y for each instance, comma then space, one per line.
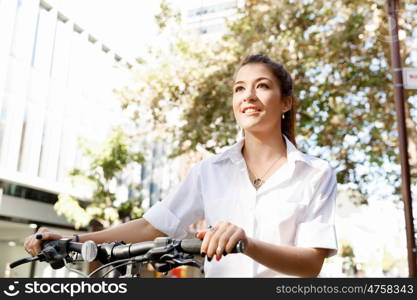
286, 86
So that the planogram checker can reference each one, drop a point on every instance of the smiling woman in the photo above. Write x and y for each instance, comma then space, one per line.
284, 215
277, 81
262, 96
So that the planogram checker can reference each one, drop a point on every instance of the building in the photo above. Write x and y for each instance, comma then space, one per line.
56, 82
208, 18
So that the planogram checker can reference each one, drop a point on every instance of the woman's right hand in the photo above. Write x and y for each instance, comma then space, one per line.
33, 242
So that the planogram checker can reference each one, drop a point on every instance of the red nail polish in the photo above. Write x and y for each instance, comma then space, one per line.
218, 258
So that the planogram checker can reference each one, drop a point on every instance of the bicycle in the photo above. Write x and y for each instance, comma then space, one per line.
163, 253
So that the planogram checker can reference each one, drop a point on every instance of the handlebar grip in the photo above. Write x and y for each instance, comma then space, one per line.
193, 246
64, 245
133, 249
74, 246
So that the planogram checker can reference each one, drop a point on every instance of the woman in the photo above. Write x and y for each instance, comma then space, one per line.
262, 190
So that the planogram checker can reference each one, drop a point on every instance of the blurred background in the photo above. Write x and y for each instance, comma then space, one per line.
105, 106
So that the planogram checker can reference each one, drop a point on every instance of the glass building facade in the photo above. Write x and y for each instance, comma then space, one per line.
207, 17
56, 82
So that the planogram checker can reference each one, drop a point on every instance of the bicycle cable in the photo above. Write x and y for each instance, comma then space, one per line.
110, 264
73, 270
120, 265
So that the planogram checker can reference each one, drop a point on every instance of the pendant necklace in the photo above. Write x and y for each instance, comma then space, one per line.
258, 181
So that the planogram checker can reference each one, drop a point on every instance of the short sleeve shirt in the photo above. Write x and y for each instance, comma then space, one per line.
294, 207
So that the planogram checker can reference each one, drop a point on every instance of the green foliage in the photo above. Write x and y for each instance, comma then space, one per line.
107, 165
349, 265
166, 16
338, 55
71, 209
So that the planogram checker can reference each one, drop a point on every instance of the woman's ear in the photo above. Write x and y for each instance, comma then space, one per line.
287, 101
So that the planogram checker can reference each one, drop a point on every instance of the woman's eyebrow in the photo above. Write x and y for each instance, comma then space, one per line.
256, 80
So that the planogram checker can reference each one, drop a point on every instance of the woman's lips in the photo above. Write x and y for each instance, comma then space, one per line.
250, 108
251, 113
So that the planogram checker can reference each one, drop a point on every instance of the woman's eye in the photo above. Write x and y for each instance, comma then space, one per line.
263, 85
238, 89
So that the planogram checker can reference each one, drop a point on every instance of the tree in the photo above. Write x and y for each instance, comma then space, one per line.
338, 54
107, 167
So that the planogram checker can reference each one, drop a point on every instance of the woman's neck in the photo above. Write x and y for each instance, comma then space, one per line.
264, 147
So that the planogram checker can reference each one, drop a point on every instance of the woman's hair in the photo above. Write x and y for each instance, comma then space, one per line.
286, 86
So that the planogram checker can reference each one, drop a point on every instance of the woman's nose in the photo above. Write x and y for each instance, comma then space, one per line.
250, 95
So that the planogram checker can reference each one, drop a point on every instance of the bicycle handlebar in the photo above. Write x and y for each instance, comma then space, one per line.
162, 249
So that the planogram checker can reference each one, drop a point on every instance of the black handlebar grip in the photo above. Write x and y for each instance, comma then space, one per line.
62, 245
193, 246
74, 246
136, 249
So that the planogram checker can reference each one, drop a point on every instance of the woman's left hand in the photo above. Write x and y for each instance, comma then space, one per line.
221, 239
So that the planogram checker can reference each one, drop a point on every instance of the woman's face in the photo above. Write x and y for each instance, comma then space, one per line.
257, 102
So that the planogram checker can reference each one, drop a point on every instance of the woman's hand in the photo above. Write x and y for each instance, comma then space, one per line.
220, 239
33, 242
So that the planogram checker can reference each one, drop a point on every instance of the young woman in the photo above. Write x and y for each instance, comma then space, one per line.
262, 190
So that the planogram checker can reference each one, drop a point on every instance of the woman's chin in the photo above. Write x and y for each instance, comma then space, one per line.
253, 129
250, 126
257, 129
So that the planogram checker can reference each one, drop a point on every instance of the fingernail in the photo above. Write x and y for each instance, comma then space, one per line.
224, 253
209, 258
218, 257
39, 236
203, 254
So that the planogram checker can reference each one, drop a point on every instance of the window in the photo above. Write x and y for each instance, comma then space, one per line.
44, 42
22, 142
24, 30
78, 59
17, 29
30, 144
16, 190
60, 56
3, 114
205, 10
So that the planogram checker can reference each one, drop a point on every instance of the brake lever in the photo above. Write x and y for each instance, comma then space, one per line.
24, 261
170, 261
187, 262
160, 252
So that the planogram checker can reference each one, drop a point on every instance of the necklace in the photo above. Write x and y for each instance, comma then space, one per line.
258, 181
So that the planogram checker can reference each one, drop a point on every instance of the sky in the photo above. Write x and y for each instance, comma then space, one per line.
125, 26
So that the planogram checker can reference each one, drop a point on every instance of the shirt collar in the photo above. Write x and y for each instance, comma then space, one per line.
234, 153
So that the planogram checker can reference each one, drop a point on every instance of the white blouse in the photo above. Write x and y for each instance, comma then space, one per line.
294, 207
